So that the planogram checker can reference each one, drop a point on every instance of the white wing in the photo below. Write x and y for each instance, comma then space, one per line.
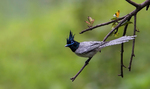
88, 48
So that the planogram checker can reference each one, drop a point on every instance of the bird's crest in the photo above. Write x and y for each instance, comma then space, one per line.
71, 38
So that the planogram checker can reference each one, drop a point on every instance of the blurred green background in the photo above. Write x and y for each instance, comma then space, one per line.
33, 35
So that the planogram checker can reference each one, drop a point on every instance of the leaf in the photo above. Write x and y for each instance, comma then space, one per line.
117, 34
87, 22
127, 22
114, 25
90, 19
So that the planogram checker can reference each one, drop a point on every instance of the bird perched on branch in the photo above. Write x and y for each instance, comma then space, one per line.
90, 48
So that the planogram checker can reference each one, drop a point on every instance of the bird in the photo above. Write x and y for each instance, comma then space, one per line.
89, 48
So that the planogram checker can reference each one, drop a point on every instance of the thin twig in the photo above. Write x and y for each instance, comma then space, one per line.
103, 24
86, 63
125, 28
147, 7
133, 3
122, 50
132, 54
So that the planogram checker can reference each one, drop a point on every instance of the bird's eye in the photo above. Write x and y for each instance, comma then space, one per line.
72, 42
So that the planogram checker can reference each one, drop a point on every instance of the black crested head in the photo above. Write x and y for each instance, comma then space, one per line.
71, 38
71, 43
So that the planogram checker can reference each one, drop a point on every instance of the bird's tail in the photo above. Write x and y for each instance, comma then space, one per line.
118, 41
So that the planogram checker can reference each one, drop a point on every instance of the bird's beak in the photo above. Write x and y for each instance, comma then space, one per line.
66, 45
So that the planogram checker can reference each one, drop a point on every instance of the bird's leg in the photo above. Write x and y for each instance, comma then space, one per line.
86, 62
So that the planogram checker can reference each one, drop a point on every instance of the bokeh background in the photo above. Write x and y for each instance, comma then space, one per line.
33, 35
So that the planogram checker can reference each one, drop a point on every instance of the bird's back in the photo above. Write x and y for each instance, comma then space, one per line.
88, 48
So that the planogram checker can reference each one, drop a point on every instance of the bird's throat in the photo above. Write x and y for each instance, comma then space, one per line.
75, 46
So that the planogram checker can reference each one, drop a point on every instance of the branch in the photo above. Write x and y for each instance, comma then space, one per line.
128, 16
123, 19
147, 7
133, 55
122, 50
103, 24
119, 24
86, 63
133, 3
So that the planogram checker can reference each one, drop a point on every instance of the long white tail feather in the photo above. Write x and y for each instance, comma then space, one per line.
118, 41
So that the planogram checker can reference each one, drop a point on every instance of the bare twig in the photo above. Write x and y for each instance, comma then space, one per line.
132, 54
103, 24
147, 7
122, 50
86, 63
125, 28
133, 3
122, 65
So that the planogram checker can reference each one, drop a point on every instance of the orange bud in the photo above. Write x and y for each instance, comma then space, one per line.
117, 14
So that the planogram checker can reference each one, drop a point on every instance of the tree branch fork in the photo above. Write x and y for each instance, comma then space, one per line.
122, 20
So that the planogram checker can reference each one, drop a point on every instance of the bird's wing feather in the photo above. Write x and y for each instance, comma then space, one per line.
89, 46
